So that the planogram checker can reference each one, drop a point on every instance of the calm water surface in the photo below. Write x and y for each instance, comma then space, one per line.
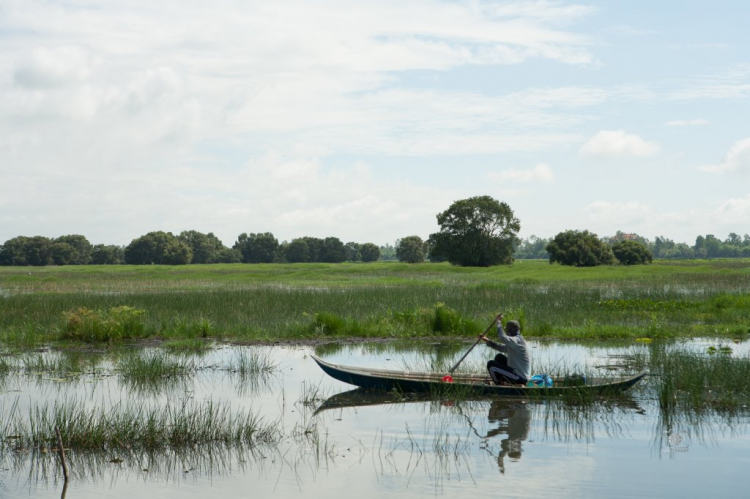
389, 445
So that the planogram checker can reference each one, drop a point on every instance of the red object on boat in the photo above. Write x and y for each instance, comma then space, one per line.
447, 378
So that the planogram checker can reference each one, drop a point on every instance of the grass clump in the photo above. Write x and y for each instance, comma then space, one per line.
135, 427
153, 367
447, 321
94, 326
327, 324
693, 381
252, 364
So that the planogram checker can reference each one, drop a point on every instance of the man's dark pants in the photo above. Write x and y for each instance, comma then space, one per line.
500, 371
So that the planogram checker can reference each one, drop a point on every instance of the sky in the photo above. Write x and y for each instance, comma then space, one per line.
364, 120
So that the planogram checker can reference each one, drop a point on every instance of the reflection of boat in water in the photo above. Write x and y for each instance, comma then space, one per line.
469, 384
362, 398
509, 419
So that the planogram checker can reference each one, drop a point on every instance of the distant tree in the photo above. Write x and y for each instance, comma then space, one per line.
257, 248
388, 252
734, 239
63, 254
353, 252
315, 248
713, 246
370, 252
410, 249
626, 236
158, 248
662, 247
476, 232
433, 249
24, 250
107, 255
532, 248
334, 250
227, 255
205, 247
700, 247
81, 246
13, 251
580, 249
632, 253
297, 251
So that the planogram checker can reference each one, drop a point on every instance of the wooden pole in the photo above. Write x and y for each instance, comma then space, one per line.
472, 348
61, 448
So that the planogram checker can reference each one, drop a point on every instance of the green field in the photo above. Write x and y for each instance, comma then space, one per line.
246, 302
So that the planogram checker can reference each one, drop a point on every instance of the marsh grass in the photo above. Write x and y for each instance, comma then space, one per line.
154, 365
286, 302
138, 427
188, 346
689, 380
251, 362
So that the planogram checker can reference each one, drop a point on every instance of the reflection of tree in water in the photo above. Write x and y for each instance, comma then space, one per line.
513, 420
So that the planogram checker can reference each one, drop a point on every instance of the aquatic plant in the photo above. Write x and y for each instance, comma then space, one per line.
133, 426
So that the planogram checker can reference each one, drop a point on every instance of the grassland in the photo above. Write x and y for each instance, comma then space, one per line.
277, 302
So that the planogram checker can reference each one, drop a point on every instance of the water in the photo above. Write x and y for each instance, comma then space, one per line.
404, 446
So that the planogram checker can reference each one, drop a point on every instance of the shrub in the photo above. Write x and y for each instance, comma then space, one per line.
632, 253
580, 249
117, 323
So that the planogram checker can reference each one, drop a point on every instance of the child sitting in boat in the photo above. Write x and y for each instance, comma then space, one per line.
514, 368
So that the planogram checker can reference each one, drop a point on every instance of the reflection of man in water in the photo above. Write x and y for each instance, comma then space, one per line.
514, 420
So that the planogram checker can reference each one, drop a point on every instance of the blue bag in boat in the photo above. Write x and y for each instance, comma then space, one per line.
544, 380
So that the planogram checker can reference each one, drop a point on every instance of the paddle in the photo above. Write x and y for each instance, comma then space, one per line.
472, 347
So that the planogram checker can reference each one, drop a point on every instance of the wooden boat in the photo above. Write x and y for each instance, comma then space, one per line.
469, 384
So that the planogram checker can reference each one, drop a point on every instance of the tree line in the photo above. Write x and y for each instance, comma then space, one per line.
474, 232
191, 246
708, 246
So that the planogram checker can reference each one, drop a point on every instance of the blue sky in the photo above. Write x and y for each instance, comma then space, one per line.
363, 120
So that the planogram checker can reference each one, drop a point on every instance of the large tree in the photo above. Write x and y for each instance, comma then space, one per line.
410, 249
580, 249
24, 250
370, 252
206, 248
297, 251
334, 250
158, 247
476, 232
107, 255
77, 248
257, 248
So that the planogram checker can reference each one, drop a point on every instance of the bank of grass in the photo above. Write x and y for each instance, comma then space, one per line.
198, 303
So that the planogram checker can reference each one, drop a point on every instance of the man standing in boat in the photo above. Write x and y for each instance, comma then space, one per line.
514, 368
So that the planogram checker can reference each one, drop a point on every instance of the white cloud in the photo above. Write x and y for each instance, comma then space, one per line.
738, 158
618, 214
541, 173
48, 67
733, 83
734, 211
693, 122
615, 143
